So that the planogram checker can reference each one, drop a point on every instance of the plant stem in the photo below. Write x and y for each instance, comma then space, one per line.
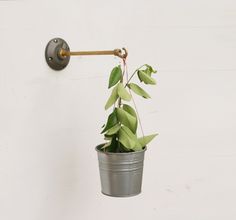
121, 80
119, 100
134, 74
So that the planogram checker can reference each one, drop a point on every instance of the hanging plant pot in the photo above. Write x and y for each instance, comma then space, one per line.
121, 156
120, 173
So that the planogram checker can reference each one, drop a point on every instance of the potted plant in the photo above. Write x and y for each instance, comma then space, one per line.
121, 156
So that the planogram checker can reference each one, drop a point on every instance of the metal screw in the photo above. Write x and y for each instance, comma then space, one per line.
55, 40
50, 58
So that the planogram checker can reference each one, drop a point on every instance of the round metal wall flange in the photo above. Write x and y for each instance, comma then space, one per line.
53, 58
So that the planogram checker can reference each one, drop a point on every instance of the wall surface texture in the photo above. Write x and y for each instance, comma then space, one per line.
50, 121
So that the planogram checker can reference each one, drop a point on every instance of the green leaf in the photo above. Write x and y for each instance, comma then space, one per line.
106, 145
128, 139
107, 138
111, 121
115, 76
131, 111
127, 119
138, 90
143, 76
113, 130
148, 71
112, 99
114, 144
150, 68
146, 139
122, 92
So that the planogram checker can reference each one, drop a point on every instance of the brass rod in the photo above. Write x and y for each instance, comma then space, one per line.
79, 53
116, 52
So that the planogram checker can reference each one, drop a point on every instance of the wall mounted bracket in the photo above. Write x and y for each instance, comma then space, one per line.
57, 53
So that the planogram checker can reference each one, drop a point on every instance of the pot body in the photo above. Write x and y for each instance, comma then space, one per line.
120, 173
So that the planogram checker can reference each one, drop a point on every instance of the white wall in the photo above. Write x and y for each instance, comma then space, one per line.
50, 121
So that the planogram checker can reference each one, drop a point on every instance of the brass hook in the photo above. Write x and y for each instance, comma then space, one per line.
119, 53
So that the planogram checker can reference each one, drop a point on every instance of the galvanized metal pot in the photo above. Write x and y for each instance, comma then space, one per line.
120, 173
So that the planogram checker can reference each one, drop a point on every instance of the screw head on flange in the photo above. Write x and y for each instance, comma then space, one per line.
52, 54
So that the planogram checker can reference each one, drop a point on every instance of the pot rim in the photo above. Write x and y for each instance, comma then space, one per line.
124, 153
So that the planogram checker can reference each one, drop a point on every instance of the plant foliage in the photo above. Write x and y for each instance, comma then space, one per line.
120, 130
